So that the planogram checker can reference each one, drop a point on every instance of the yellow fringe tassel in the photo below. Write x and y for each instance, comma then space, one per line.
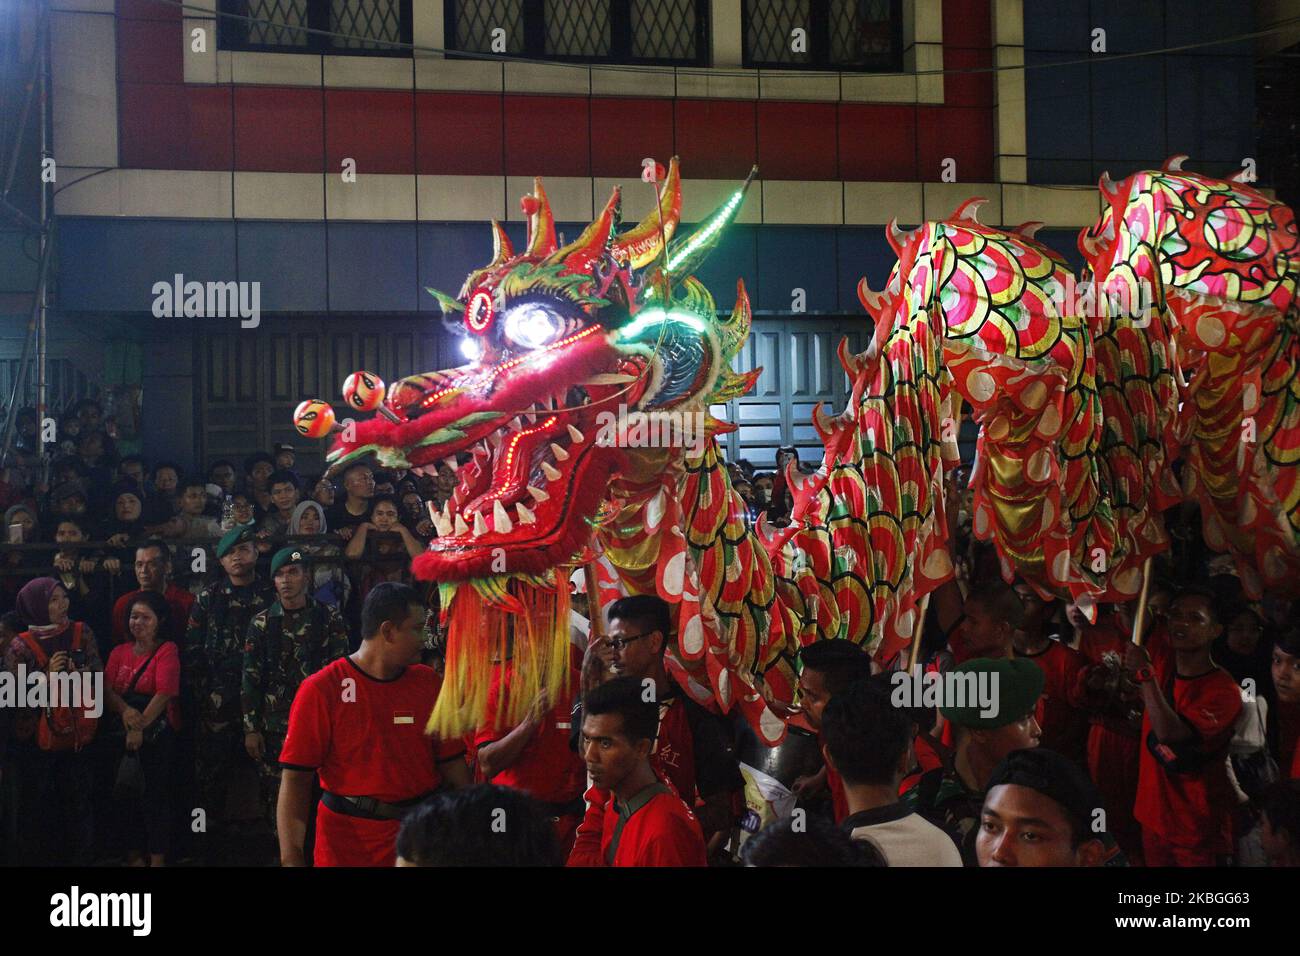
480, 635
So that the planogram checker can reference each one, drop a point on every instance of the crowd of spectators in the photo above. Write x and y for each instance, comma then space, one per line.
129, 545
232, 611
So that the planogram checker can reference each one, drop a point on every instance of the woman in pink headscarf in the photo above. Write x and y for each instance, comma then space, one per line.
55, 820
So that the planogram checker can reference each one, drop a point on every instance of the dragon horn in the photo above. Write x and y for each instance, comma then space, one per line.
898, 239
541, 222
968, 210
1107, 185
1239, 176
449, 303
640, 245
502, 248
735, 330
685, 254
590, 246
1028, 230
1174, 164
874, 302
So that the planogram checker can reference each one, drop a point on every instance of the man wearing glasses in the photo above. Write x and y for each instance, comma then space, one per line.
691, 748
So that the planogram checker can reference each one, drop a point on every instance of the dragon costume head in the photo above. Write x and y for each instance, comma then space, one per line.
596, 363
577, 345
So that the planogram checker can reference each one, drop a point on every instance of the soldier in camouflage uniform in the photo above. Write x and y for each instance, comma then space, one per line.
211, 665
287, 643
984, 731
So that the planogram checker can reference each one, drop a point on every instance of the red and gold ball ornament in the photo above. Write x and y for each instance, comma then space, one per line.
314, 418
364, 391
479, 311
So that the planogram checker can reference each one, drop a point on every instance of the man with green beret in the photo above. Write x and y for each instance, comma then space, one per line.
991, 704
288, 642
212, 661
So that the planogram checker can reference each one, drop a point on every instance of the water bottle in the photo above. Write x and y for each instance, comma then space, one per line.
228, 513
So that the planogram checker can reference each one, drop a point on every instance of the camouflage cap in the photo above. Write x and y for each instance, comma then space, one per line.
1014, 687
287, 556
235, 536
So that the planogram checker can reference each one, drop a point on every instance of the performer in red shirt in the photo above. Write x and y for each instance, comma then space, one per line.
153, 567
1105, 691
692, 747
633, 817
991, 616
534, 755
1286, 681
827, 668
1185, 798
1065, 727
359, 723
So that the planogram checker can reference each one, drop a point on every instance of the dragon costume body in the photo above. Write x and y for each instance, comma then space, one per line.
586, 421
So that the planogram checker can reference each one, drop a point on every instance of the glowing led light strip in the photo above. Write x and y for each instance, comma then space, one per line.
514, 442
479, 312
513, 363
649, 317
705, 234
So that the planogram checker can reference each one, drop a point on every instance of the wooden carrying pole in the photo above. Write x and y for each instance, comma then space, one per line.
1140, 618
594, 610
917, 631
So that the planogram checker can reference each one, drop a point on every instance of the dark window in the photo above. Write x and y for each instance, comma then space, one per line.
853, 35
360, 26
666, 32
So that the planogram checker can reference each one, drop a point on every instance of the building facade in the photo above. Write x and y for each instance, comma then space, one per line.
343, 176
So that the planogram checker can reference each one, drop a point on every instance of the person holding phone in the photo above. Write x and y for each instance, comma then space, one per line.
54, 786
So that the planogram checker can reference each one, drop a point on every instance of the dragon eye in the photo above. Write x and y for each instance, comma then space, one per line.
532, 325
478, 313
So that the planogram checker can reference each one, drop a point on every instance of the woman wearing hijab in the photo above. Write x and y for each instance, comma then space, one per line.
126, 524
330, 584
55, 817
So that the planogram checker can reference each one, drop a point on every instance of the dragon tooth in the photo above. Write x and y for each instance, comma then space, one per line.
538, 495
559, 453
610, 378
549, 470
461, 527
480, 526
494, 440
525, 516
575, 435
500, 520
442, 525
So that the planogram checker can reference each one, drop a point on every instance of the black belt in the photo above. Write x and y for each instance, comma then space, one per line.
569, 808
368, 808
